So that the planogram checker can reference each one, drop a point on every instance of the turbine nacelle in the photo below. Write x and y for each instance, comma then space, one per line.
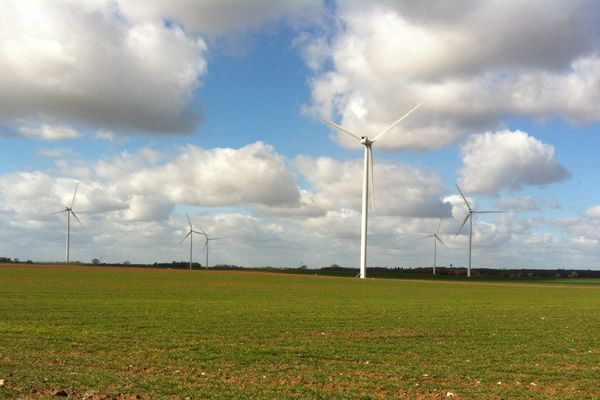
364, 140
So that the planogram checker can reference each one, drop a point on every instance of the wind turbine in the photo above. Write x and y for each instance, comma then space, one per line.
208, 239
191, 235
469, 217
69, 211
368, 176
435, 240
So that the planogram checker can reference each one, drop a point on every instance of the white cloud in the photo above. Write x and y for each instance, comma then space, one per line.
335, 224
108, 136
593, 212
223, 16
88, 64
399, 189
474, 67
49, 132
220, 177
122, 225
127, 65
526, 203
54, 153
252, 175
505, 159
148, 208
309, 205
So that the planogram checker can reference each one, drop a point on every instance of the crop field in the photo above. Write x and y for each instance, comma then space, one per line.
103, 333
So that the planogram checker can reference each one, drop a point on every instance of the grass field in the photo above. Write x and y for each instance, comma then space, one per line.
129, 333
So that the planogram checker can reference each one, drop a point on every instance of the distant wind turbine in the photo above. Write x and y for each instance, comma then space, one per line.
368, 176
69, 211
208, 239
191, 235
436, 239
469, 217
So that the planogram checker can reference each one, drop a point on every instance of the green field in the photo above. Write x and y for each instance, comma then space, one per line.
131, 333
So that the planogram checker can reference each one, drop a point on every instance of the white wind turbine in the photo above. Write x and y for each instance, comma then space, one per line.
191, 235
469, 217
208, 239
69, 211
368, 176
436, 238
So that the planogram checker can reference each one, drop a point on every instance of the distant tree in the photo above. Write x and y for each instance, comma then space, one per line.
95, 261
303, 267
127, 263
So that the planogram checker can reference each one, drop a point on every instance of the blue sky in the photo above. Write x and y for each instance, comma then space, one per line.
214, 108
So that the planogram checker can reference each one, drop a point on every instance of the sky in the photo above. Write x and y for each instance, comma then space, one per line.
214, 108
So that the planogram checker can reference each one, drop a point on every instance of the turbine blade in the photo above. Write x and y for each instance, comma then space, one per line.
189, 220
380, 134
440, 240
488, 212
205, 244
185, 237
463, 224
73, 213
464, 198
428, 236
215, 238
74, 194
438, 228
341, 128
58, 212
370, 172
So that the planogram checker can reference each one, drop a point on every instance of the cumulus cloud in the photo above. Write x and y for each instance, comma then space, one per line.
54, 153
49, 132
309, 205
526, 203
220, 17
122, 225
474, 63
108, 136
338, 224
88, 64
593, 212
146, 185
399, 189
220, 177
148, 208
35, 195
136, 220
507, 159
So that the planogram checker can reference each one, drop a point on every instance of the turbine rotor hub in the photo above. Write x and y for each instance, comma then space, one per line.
365, 140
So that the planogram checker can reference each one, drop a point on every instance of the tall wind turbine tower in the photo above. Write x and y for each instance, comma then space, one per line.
69, 211
470, 215
436, 239
368, 181
208, 239
191, 235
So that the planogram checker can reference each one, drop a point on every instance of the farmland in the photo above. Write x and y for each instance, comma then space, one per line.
120, 333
